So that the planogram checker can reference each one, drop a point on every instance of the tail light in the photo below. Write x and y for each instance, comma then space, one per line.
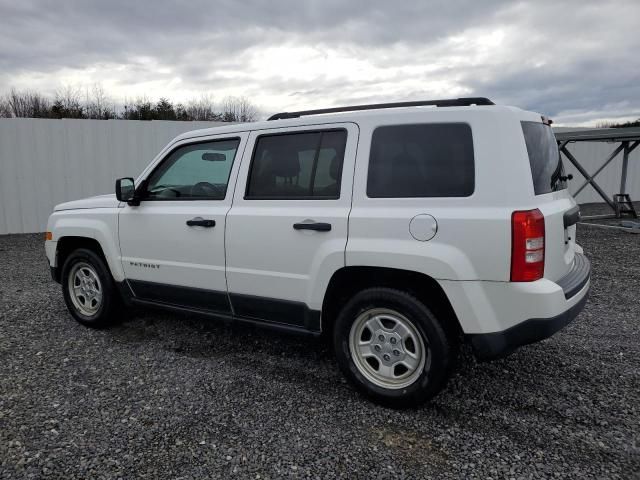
527, 246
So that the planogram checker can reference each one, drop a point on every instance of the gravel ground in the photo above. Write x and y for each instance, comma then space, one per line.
163, 395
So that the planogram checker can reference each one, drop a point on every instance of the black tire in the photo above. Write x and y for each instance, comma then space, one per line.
440, 352
111, 305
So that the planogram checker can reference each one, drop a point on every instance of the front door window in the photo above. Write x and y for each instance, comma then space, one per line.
197, 171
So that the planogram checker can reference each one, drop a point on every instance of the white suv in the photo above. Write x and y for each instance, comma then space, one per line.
400, 230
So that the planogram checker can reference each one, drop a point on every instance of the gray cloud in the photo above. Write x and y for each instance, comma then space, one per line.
575, 60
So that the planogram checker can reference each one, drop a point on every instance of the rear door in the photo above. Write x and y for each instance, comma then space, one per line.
287, 230
554, 200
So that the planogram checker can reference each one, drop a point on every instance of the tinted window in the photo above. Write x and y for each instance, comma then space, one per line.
297, 165
194, 171
425, 160
544, 158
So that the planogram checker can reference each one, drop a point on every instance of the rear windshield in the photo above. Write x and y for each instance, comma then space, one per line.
547, 170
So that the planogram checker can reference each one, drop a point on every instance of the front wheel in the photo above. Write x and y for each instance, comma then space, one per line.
89, 290
391, 347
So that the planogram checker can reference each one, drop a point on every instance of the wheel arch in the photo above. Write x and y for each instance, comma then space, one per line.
347, 281
68, 244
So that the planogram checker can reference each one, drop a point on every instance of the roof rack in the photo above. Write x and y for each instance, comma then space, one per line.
451, 102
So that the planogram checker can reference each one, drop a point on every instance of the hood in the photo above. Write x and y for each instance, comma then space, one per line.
100, 201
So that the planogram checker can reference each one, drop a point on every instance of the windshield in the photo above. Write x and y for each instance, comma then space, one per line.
547, 170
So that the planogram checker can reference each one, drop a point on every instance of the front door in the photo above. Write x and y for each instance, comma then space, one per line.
287, 229
172, 244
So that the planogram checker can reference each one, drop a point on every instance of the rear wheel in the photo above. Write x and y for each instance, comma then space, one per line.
89, 291
391, 347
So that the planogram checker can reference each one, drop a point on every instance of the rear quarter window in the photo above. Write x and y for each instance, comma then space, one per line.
421, 160
547, 171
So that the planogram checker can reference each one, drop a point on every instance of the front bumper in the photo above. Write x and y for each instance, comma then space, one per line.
489, 346
55, 275
50, 248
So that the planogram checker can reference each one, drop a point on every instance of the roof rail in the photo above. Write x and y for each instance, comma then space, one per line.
451, 102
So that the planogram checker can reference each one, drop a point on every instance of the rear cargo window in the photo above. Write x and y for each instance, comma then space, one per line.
547, 170
423, 160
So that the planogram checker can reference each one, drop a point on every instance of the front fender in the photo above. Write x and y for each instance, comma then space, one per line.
98, 224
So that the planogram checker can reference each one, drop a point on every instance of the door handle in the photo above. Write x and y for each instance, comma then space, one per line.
201, 222
317, 226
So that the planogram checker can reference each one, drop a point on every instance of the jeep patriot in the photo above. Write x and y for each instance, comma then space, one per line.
397, 230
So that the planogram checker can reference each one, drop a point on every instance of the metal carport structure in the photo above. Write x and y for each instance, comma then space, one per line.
625, 141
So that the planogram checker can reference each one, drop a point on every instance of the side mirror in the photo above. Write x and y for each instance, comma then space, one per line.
125, 189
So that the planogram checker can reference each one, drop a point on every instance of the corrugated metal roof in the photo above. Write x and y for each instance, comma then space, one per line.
599, 135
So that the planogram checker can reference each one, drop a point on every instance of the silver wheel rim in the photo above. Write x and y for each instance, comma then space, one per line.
387, 348
85, 289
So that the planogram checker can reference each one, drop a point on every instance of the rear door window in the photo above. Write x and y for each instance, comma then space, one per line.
421, 160
305, 165
547, 170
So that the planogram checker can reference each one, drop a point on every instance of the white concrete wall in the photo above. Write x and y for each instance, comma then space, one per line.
45, 162
591, 156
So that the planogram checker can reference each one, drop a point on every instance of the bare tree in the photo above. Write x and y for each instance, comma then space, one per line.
238, 109
5, 110
28, 104
70, 103
18, 103
98, 105
607, 124
202, 109
67, 103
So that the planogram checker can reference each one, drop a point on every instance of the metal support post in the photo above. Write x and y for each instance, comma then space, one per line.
625, 166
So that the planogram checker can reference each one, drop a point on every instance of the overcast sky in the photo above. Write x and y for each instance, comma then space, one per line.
575, 61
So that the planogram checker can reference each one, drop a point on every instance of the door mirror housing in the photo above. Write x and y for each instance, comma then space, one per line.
125, 190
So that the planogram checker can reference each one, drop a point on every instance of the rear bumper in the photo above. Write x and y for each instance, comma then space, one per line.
575, 288
577, 277
490, 346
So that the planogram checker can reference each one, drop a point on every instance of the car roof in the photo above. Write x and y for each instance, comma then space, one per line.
359, 116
